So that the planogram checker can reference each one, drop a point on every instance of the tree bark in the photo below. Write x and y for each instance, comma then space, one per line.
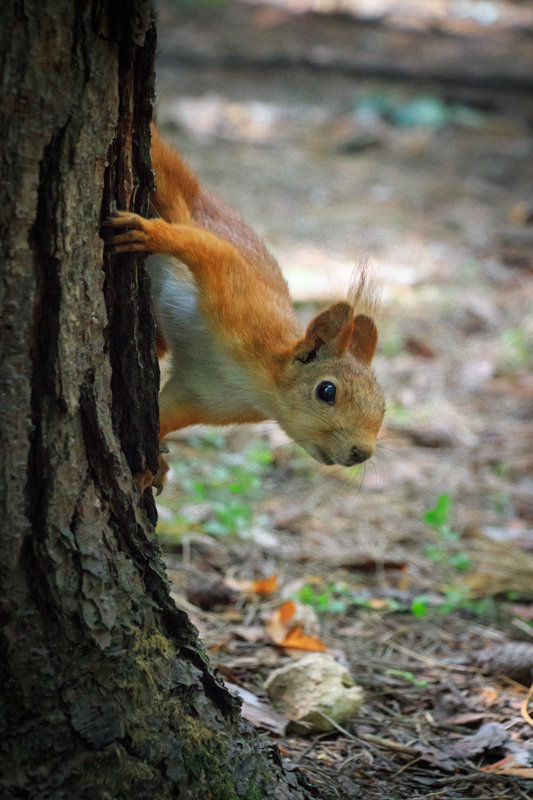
104, 688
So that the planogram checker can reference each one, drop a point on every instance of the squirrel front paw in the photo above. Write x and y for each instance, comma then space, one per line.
126, 232
147, 478
161, 477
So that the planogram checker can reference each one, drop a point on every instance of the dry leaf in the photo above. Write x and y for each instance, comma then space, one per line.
507, 766
277, 625
287, 611
418, 348
250, 633
210, 593
295, 625
489, 736
298, 640
379, 603
259, 714
266, 585
261, 586
487, 697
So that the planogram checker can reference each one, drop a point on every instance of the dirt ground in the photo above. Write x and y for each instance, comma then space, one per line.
412, 147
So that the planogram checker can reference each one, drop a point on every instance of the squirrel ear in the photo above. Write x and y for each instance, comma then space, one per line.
364, 338
332, 328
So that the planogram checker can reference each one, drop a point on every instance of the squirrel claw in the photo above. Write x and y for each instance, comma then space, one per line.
147, 478
161, 478
124, 232
158, 484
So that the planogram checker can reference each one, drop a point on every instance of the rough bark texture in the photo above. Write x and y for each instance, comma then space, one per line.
104, 689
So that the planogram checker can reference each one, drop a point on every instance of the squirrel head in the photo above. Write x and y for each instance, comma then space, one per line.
329, 400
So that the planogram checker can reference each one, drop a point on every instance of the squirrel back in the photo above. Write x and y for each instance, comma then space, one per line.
178, 197
238, 351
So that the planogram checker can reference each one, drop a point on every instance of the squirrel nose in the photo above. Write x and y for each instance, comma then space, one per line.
357, 456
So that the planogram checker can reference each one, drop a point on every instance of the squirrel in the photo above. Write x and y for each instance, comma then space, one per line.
238, 352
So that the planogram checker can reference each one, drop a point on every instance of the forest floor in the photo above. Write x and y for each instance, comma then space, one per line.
413, 147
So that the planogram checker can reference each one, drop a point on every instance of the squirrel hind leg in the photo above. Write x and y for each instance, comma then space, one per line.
174, 414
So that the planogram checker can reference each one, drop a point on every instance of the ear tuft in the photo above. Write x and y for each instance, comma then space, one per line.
364, 338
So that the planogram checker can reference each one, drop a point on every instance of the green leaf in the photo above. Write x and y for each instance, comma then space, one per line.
423, 112
408, 676
434, 552
461, 561
439, 514
419, 605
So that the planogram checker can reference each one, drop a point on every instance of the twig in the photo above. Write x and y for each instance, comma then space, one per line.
339, 727
523, 708
298, 757
390, 745
407, 766
430, 661
523, 626
371, 738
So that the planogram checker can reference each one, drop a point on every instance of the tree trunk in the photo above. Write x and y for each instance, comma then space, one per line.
104, 688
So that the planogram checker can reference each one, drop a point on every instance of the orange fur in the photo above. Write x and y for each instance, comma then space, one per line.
238, 353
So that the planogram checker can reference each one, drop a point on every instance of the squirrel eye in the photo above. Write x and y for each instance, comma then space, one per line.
326, 392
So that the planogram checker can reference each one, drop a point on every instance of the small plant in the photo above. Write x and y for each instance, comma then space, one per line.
419, 605
216, 489
332, 599
438, 518
428, 112
407, 676
455, 599
337, 598
516, 347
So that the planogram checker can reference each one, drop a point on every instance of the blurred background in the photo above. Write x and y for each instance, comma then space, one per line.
401, 133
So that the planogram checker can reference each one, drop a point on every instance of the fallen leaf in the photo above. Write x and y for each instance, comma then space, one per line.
289, 513
298, 640
266, 585
364, 563
276, 627
523, 610
261, 586
250, 633
464, 719
209, 593
487, 697
259, 714
379, 603
430, 437
295, 625
488, 737
287, 611
418, 348
508, 766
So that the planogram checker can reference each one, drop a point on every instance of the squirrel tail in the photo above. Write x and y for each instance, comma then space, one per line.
177, 188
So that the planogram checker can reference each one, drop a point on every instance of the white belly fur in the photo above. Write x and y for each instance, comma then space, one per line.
203, 373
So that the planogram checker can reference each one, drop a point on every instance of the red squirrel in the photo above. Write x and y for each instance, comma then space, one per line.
238, 352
